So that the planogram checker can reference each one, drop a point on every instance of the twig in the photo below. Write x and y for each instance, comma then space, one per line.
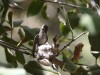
72, 40
13, 47
62, 3
26, 48
70, 26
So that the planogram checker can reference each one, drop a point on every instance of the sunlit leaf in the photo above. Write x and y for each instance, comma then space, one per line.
30, 43
10, 57
34, 67
35, 7
87, 22
43, 12
64, 29
91, 21
64, 39
68, 53
20, 57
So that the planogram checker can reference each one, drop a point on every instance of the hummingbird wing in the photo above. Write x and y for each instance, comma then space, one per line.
35, 44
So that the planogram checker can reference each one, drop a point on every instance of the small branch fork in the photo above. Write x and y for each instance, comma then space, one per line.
72, 41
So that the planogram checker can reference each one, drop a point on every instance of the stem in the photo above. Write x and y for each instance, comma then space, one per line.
64, 13
24, 47
13, 47
62, 3
70, 26
72, 40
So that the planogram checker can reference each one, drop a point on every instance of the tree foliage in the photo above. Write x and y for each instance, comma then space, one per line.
82, 14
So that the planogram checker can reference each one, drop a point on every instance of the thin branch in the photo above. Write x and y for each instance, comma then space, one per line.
62, 3
80, 64
2, 43
70, 26
72, 40
26, 48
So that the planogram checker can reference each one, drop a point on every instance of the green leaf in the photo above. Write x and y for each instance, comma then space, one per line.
64, 29
87, 22
35, 68
1, 6
10, 18
68, 53
64, 39
73, 18
69, 65
6, 6
10, 57
35, 7
30, 33
20, 57
90, 20
2, 29
43, 12
30, 43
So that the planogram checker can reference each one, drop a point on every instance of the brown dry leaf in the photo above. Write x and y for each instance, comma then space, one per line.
77, 52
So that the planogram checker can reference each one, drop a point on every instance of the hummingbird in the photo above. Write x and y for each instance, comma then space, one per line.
40, 39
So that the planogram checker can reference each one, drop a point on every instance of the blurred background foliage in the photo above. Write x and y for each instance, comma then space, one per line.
20, 21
